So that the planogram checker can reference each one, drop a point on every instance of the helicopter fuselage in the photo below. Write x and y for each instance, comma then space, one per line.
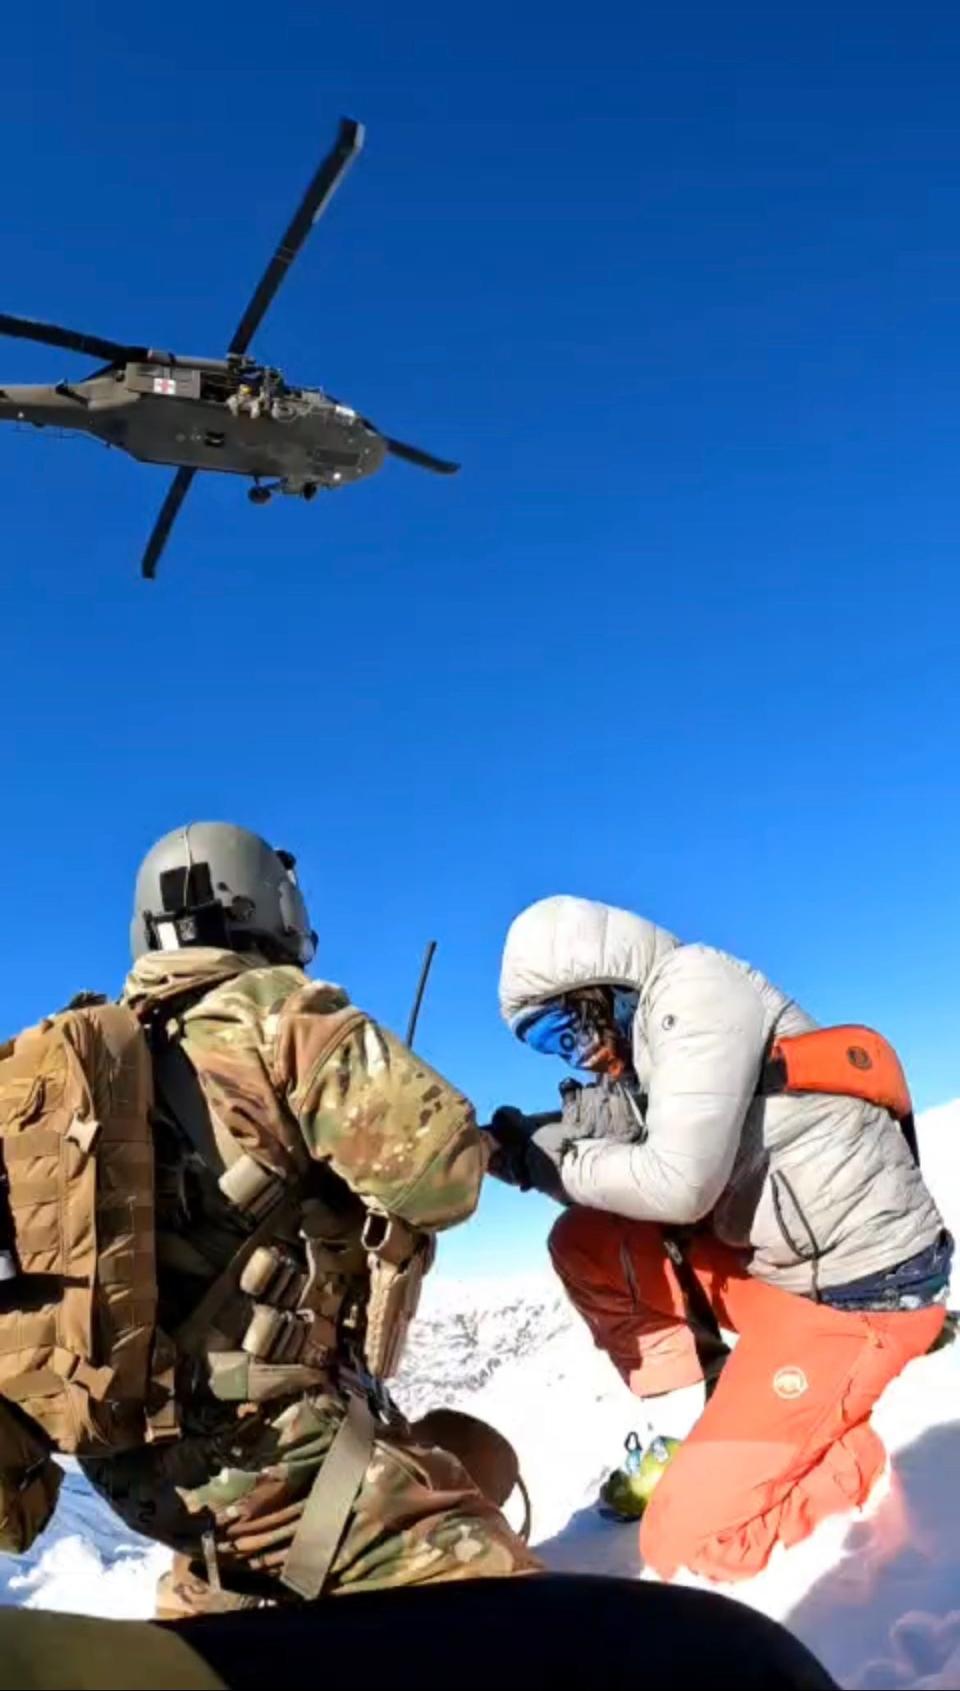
200, 415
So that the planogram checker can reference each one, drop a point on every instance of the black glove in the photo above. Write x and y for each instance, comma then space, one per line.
529, 1151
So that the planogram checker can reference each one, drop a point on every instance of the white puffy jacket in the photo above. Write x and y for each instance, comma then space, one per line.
822, 1189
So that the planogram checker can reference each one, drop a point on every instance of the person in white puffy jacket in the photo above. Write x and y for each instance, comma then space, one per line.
800, 1218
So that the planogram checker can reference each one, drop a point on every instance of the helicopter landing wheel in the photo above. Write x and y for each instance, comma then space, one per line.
309, 491
259, 495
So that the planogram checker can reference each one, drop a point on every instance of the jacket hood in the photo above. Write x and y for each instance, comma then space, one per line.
562, 943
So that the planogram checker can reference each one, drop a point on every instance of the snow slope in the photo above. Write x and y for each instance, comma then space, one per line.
877, 1599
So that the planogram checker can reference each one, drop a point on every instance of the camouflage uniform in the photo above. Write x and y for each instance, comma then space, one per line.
237, 1475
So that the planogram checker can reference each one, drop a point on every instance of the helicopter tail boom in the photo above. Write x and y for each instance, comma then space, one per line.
62, 407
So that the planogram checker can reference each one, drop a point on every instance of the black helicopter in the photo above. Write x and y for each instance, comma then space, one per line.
228, 414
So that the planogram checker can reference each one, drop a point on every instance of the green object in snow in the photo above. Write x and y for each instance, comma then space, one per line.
628, 1490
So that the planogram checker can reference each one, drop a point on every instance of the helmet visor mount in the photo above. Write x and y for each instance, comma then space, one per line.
191, 914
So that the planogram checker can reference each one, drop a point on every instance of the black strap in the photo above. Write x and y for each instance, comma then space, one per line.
908, 1128
181, 1098
773, 1077
712, 1349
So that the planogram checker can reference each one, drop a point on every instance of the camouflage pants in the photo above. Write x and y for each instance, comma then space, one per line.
417, 1519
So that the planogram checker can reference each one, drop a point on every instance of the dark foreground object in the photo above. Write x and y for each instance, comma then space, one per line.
546, 1629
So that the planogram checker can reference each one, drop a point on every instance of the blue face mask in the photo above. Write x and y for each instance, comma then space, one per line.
588, 1030
557, 1031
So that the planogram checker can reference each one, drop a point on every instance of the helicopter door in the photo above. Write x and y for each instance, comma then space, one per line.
166, 380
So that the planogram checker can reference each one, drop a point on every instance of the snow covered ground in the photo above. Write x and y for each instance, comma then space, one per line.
877, 1599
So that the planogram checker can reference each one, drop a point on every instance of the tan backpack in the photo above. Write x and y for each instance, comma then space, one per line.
76, 1351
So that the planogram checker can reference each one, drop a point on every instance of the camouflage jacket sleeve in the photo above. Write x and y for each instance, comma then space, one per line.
291, 1070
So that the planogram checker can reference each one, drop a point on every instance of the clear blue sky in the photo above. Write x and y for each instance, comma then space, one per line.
681, 287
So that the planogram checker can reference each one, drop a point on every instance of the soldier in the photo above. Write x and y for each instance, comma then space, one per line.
223, 1194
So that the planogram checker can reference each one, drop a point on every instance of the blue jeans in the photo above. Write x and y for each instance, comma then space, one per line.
920, 1281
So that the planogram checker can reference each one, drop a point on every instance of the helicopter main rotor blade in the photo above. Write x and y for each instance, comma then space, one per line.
53, 334
169, 511
315, 201
416, 455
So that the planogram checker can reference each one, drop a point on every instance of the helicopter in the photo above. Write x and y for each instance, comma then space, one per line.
231, 415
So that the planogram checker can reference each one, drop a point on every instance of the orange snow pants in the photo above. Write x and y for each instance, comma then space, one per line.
786, 1438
